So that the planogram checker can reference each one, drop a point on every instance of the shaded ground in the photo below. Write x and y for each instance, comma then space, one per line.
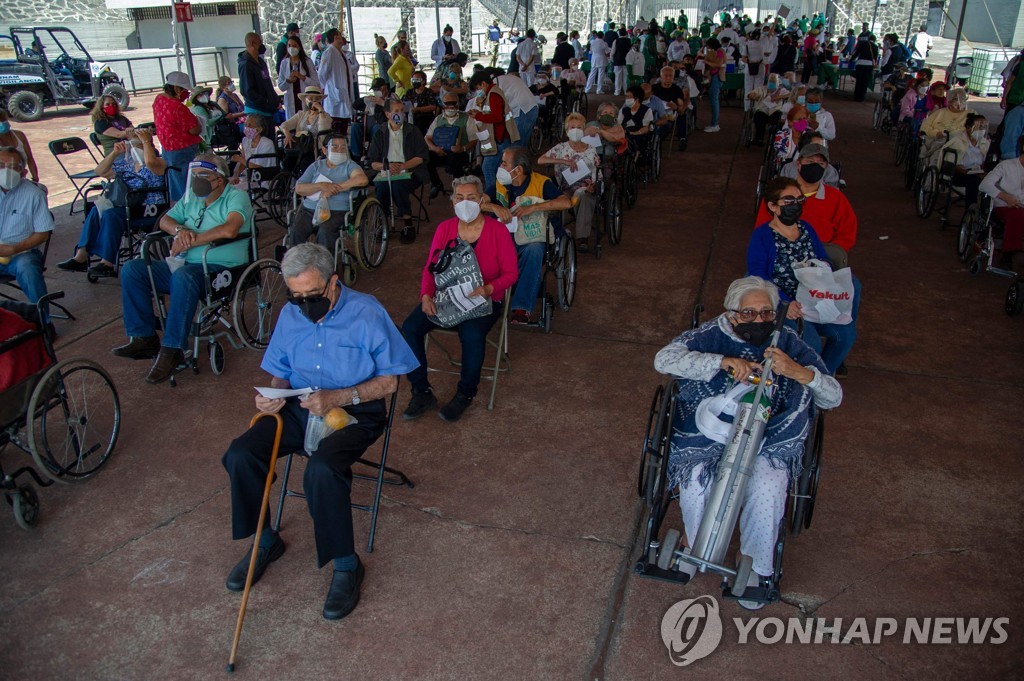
510, 558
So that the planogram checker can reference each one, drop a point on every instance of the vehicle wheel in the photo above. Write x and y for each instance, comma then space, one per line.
259, 296
1014, 299
567, 275
26, 507
966, 237
926, 188
120, 95
74, 418
613, 218
668, 548
976, 267
25, 106
371, 234
216, 358
629, 183
910, 170
739, 585
658, 453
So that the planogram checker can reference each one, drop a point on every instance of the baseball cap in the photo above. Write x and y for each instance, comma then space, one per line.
292, 27
814, 149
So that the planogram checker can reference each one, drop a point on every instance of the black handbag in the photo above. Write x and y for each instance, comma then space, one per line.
120, 194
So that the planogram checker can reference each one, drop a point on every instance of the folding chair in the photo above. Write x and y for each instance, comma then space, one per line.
9, 280
95, 139
81, 180
397, 478
502, 362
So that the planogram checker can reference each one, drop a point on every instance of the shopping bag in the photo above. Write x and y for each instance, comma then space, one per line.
456, 275
322, 212
826, 297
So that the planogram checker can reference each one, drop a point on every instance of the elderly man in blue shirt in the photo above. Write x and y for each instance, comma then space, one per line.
25, 224
344, 346
211, 210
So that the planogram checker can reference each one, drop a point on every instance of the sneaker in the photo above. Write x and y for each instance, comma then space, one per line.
712, 128
72, 265
841, 371
520, 317
166, 362
138, 347
407, 236
435, 190
452, 411
420, 404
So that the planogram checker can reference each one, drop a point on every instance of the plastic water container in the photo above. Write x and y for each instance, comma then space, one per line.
730, 68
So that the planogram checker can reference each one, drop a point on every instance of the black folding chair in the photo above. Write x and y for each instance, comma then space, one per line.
83, 180
9, 280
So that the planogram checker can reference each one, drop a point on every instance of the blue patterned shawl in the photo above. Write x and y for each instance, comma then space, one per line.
791, 406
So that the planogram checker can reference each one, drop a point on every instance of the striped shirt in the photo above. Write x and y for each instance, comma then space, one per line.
23, 212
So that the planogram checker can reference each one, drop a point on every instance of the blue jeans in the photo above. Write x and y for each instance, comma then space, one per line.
490, 167
355, 138
714, 88
472, 336
101, 234
177, 170
27, 270
186, 286
531, 269
524, 124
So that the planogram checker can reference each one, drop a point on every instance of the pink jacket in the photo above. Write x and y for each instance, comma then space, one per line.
495, 252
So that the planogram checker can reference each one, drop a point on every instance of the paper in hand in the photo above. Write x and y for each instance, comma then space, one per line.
319, 178
278, 393
592, 140
573, 176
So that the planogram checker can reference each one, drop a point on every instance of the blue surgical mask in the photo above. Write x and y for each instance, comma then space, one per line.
785, 82
772, 87
814, 108
5, 128
801, 99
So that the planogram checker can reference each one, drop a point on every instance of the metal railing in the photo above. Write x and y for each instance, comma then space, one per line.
138, 74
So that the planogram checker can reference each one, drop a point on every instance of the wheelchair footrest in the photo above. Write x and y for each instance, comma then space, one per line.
646, 569
761, 594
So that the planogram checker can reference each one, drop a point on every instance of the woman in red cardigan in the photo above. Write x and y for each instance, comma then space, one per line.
496, 255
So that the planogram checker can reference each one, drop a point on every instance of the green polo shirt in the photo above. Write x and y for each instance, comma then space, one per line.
193, 213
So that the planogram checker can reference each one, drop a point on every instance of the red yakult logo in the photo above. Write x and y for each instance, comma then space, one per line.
828, 295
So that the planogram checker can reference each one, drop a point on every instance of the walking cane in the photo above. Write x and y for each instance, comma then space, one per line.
259, 530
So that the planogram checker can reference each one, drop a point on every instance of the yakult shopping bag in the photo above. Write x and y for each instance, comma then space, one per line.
825, 296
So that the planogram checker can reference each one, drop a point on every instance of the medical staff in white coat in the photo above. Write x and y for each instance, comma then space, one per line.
337, 74
599, 52
444, 48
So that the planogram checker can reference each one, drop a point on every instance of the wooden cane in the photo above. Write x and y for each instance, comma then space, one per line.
259, 531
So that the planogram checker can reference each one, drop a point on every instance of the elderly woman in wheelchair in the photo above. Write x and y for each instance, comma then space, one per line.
715, 363
136, 172
211, 212
577, 163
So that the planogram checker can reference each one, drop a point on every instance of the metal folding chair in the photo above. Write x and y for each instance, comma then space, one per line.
81, 181
380, 479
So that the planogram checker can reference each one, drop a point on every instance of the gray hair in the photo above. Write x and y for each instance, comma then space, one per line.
521, 158
739, 289
210, 157
17, 152
390, 104
468, 179
305, 257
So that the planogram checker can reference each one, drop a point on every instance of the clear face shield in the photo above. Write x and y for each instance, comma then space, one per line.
202, 180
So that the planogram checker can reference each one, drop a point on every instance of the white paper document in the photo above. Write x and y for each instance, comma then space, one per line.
513, 225
571, 176
278, 393
319, 178
460, 296
592, 140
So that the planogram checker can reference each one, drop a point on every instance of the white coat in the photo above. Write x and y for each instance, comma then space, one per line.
437, 51
283, 71
337, 75
599, 52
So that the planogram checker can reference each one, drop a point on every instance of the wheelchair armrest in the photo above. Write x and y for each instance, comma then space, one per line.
20, 339
224, 242
148, 244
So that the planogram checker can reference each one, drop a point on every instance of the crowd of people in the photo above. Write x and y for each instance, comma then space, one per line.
471, 124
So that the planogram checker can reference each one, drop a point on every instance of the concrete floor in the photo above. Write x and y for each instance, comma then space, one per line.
511, 558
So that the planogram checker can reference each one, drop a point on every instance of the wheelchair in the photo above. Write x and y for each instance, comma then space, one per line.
245, 300
651, 157
661, 551
771, 165
981, 239
560, 260
608, 214
66, 415
576, 101
905, 141
269, 187
548, 130
936, 180
881, 117
142, 218
362, 239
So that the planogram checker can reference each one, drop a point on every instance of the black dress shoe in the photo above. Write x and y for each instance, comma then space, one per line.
72, 265
102, 270
138, 347
166, 362
420, 404
407, 236
435, 190
264, 557
343, 596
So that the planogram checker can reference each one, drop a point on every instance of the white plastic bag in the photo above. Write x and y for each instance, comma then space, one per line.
826, 297
322, 212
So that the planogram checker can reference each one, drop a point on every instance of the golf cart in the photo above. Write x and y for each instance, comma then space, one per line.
48, 66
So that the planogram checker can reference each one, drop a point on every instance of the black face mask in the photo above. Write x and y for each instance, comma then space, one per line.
313, 308
201, 187
755, 333
788, 215
812, 172
262, 50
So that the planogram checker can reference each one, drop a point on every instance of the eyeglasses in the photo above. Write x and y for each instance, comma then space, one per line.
749, 314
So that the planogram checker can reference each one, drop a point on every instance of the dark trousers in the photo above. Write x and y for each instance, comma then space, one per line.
302, 228
970, 184
810, 67
401, 189
454, 163
327, 482
761, 121
472, 336
862, 76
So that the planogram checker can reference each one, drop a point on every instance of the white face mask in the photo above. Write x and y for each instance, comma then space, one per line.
978, 135
575, 134
451, 114
542, 82
230, 87
336, 157
9, 179
630, 101
203, 99
503, 176
293, 51
447, 38
922, 91
467, 210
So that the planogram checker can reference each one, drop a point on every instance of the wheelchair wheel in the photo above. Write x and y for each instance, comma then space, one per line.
613, 214
216, 352
580, 106
927, 187
630, 182
26, 506
566, 274
748, 127
977, 266
74, 418
805, 488
259, 296
1014, 303
536, 140
743, 570
965, 239
649, 433
656, 161
899, 146
279, 197
876, 116
910, 169
371, 234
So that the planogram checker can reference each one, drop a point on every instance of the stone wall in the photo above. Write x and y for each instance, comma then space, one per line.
892, 17
32, 12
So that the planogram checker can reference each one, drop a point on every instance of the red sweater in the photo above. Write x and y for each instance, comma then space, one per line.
495, 117
495, 252
829, 213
